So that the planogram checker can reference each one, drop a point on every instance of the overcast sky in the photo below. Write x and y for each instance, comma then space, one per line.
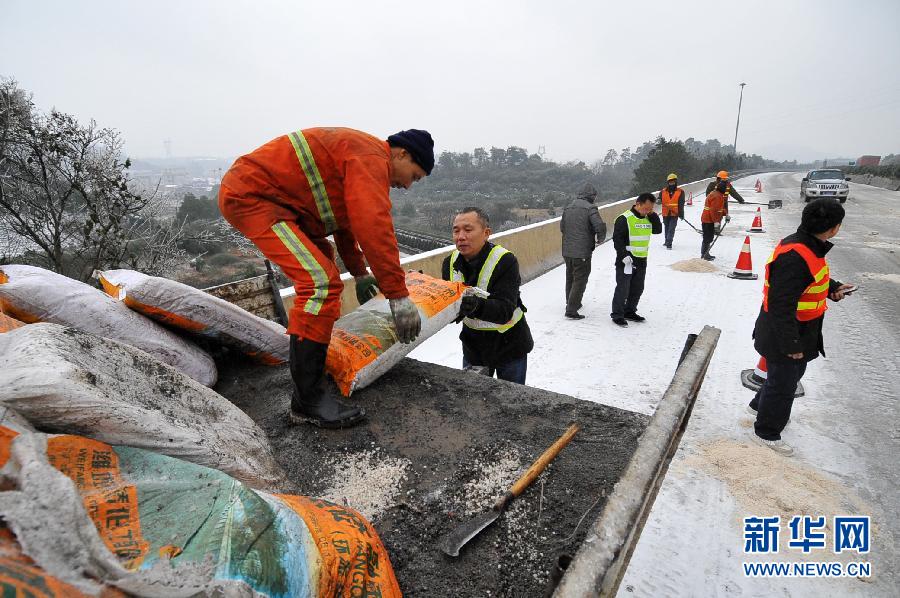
221, 77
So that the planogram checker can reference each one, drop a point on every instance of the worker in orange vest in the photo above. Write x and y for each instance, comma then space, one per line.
714, 211
672, 198
788, 330
292, 193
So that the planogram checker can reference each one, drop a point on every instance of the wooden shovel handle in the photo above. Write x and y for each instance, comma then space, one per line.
538, 466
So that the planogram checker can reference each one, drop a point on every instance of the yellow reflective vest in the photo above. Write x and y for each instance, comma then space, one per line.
484, 279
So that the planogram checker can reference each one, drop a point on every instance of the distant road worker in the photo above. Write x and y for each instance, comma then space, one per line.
788, 331
714, 212
631, 240
287, 197
582, 231
672, 197
729, 191
495, 335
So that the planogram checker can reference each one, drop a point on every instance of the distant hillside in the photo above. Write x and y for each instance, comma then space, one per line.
510, 183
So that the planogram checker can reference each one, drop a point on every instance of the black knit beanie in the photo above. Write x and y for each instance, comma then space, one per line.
419, 144
821, 215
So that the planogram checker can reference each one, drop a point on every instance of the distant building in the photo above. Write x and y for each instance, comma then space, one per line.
837, 162
868, 161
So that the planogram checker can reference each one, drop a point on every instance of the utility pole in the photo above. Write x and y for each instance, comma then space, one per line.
740, 101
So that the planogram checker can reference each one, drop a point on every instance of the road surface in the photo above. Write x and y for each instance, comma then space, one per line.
845, 431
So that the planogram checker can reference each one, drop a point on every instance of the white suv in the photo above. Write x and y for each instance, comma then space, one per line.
825, 183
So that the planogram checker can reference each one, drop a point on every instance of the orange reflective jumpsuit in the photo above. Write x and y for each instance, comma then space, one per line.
290, 194
714, 209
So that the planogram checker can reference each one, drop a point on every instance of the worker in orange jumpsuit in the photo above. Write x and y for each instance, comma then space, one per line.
287, 197
714, 210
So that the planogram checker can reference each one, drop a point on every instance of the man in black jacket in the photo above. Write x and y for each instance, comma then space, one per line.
631, 239
788, 330
729, 192
582, 230
495, 334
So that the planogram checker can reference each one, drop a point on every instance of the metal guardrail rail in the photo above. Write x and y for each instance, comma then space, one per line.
419, 240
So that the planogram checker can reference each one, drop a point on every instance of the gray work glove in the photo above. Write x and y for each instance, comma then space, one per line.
406, 319
727, 218
366, 288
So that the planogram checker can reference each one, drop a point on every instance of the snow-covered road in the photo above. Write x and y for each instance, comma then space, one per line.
845, 431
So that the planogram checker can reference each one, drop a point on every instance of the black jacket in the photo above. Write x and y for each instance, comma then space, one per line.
730, 192
778, 333
621, 236
487, 347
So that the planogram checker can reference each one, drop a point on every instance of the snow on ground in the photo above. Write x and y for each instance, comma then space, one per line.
595, 360
692, 544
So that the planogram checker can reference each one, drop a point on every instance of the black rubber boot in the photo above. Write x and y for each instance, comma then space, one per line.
316, 400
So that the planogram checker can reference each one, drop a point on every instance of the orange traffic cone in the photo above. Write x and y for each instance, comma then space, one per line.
690, 200
743, 270
753, 379
756, 227
758, 186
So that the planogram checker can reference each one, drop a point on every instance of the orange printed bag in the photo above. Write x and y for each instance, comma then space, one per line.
364, 342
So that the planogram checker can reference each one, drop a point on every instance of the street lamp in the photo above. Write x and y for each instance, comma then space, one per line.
738, 119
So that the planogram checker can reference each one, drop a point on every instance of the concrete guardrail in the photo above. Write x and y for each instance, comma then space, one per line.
537, 247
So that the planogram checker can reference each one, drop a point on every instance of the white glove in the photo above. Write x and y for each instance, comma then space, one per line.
627, 260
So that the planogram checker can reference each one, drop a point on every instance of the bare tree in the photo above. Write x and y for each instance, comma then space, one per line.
15, 109
64, 189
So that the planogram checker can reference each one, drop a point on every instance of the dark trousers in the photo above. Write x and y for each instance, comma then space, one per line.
775, 398
629, 288
670, 222
709, 231
511, 371
577, 272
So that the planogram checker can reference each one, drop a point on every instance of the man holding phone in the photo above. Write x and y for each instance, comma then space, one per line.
788, 331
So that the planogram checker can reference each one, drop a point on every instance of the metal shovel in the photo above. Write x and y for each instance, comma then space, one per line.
456, 539
692, 226
773, 203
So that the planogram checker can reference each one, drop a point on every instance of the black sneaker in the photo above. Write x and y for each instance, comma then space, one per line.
708, 257
620, 322
575, 316
635, 317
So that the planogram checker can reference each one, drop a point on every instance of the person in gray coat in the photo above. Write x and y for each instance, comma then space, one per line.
582, 230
